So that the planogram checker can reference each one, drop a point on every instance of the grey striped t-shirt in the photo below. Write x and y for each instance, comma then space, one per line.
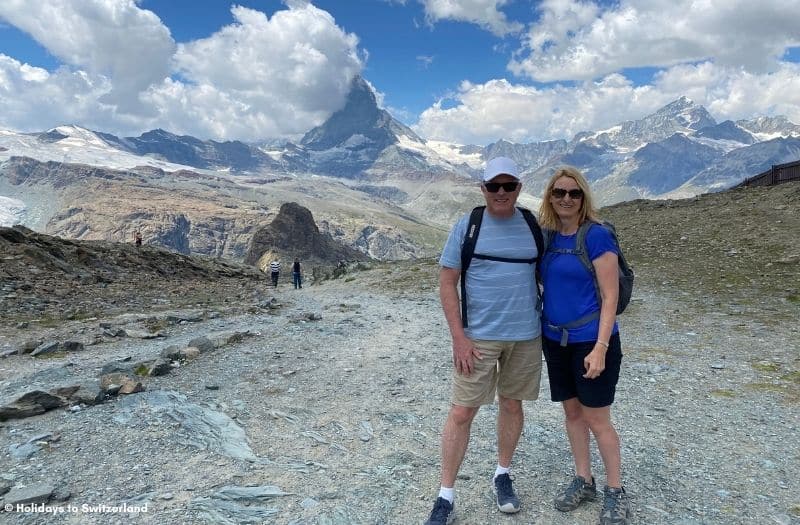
501, 296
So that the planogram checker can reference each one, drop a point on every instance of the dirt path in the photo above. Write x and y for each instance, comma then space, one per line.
341, 395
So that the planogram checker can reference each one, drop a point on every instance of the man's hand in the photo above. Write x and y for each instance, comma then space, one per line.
464, 354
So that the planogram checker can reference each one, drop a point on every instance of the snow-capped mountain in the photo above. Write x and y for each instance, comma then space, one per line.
373, 181
768, 128
681, 116
650, 157
654, 156
184, 149
363, 140
740, 164
76, 145
727, 130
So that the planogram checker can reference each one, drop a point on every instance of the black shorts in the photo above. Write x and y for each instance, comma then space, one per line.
565, 371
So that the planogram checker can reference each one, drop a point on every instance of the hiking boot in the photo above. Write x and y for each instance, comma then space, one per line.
507, 501
576, 493
442, 513
616, 509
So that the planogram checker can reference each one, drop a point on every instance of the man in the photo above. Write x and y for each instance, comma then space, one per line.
500, 349
297, 276
275, 271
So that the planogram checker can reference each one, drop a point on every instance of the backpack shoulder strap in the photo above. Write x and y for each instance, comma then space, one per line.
548, 239
536, 230
467, 251
583, 254
471, 237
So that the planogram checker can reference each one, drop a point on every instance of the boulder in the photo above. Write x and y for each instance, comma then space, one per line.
30, 404
118, 383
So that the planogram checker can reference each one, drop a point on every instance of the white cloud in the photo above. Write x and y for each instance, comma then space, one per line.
425, 60
485, 13
32, 99
484, 113
259, 77
575, 39
114, 38
734, 93
279, 76
499, 109
263, 76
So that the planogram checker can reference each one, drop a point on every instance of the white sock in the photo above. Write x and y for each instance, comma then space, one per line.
447, 493
501, 470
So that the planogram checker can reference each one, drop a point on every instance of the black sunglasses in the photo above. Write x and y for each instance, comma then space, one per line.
494, 187
560, 193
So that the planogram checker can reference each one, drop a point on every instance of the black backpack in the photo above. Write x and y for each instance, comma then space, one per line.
625, 273
471, 238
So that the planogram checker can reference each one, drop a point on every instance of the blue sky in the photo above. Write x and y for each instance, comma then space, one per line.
468, 71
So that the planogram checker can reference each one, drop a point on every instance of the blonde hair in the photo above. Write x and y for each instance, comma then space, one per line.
548, 218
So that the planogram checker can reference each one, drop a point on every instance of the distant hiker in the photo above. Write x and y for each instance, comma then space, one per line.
297, 276
581, 337
137, 238
275, 271
497, 339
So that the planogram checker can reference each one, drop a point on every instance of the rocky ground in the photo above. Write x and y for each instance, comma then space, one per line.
324, 405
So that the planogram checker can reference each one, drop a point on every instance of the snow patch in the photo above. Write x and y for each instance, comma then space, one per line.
453, 154
276, 155
719, 144
763, 137
11, 211
355, 140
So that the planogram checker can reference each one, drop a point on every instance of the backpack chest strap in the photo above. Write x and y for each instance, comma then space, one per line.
504, 259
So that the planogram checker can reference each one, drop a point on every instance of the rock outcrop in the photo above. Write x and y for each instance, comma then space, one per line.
43, 275
293, 233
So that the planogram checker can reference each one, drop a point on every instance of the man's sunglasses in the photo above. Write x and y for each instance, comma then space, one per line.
494, 187
560, 193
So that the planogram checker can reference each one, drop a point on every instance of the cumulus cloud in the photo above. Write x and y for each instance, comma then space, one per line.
272, 76
575, 39
735, 93
258, 77
278, 76
32, 98
116, 39
484, 113
485, 13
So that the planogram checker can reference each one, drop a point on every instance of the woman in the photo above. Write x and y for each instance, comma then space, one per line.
581, 338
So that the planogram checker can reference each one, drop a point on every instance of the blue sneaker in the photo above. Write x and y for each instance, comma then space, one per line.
442, 514
507, 501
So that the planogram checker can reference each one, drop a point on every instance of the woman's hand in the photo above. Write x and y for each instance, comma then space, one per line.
595, 362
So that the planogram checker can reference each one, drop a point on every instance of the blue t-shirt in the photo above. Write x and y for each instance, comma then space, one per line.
501, 296
569, 292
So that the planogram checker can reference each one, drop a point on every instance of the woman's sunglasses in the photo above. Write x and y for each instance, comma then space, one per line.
560, 193
494, 187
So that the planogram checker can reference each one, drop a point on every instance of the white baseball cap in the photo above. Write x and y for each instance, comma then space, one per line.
500, 166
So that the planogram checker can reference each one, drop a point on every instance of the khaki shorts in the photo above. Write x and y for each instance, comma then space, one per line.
511, 368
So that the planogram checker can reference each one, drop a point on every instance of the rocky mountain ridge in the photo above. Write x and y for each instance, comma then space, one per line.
209, 214
373, 183
362, 141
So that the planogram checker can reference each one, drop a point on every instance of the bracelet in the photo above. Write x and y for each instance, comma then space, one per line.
602, 343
